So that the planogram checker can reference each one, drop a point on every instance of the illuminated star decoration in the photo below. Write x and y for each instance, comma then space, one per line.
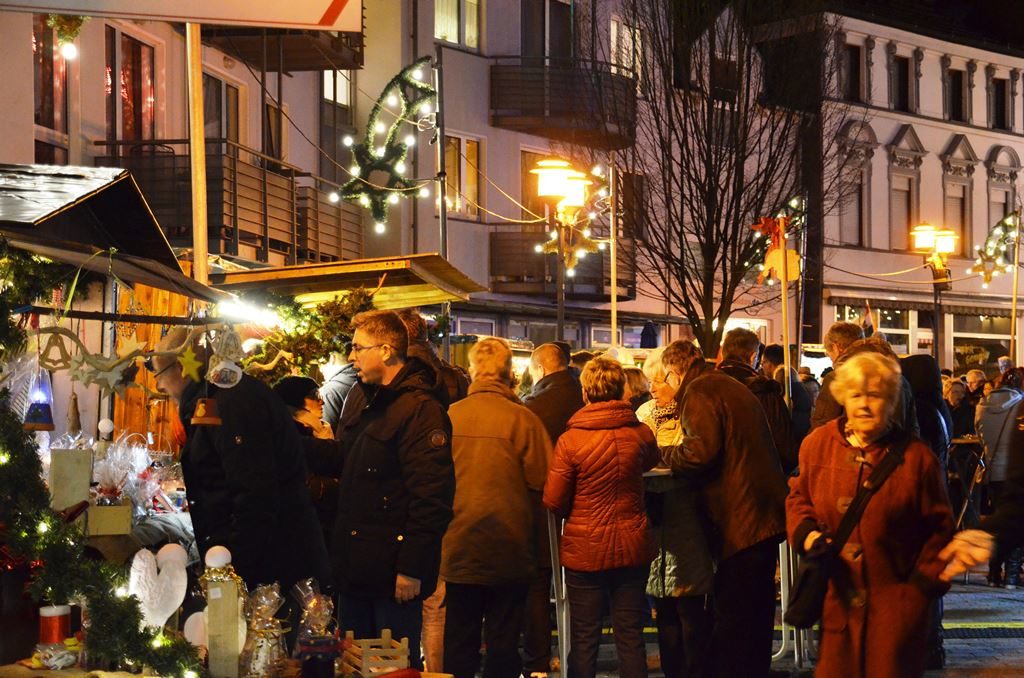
189, 365
378, 175
995, 256
130, 344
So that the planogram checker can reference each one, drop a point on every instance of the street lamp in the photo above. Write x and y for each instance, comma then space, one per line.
564, 190
936, 245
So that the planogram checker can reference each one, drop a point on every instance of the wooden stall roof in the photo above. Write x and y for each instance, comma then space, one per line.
77, 215
411, 280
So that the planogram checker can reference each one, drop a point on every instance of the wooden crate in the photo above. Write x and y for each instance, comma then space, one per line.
374, 655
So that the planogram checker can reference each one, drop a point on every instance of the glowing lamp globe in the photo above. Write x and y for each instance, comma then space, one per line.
576, 191
39, 413
923, 237
553, 178
945, 241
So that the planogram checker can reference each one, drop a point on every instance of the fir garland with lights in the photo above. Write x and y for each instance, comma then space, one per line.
378, 176
68, 26
33, 533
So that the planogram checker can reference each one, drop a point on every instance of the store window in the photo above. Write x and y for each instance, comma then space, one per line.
541, 332
462, 167
131, 102
458, 22
476, 326
979, 341
50, 85
893, 323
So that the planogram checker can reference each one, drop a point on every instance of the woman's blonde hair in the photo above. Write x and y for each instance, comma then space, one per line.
652, 365
855, 371
491, 358
950, 384
637, 381
603, 379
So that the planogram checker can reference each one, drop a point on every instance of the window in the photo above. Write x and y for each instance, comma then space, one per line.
999, 204
979, 341
851, 213
900, 211
220, 109
335, 124
275, 131
894, 323
957, 104
50, 83
131, 105
956, 217
462, 167
725, 82
851, 78
476, 326
458, 22
901, 84
632, 205
533, 206
627, 52
1000, 103
546, 29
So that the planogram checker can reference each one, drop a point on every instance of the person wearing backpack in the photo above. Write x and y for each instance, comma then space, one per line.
876, 612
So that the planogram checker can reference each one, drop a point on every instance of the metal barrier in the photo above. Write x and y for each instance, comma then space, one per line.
561, 604
802, 640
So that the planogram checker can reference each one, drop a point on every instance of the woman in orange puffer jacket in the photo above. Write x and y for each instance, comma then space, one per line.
596, 483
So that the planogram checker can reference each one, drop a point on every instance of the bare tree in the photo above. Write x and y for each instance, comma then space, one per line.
738, 116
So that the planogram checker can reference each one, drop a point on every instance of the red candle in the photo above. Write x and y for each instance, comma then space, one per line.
54, 623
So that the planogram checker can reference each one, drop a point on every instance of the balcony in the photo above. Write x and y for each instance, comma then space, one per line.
516, 268
288, 50
259, 208
571, 100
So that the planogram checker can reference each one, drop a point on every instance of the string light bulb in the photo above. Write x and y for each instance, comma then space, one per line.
334, 197
4, 458
354, 170
400, 167
347, 141
392, 100
393, 198
600, 246
410, 140
571, 272
424, 192
379, 127
379, 227
426, 108
42, 528
69, 51
417, 74
538, 248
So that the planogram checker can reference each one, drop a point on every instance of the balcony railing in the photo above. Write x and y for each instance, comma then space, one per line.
579, 101
259, 208
516, 268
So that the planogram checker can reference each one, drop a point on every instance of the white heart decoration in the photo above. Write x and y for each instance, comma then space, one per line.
160, 590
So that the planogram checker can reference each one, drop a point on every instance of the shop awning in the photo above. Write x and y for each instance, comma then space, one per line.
92, 217
406, 281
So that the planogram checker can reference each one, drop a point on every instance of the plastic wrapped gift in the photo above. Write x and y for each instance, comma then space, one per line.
317, 611
264, 643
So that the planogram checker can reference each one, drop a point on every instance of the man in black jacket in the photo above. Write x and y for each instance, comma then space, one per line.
555, 397
738, 352
393, 455
246, 478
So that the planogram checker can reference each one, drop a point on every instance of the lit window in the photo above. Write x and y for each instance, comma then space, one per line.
462, 167
458, 22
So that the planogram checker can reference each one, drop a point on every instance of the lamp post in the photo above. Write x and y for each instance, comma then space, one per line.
936, 245
564, 191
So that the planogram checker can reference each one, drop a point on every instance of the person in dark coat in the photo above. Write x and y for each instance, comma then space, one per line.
393, 455
726, 449
738, 352
555, 398
840, 337
960, 408
451, 382
339, 378
246, 478
877, 609
801, 405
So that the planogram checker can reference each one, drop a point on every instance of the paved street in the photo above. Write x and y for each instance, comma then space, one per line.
984, 631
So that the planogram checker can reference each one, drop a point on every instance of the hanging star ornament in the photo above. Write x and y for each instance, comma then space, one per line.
378, 177
80, 371
130, 344
190, 365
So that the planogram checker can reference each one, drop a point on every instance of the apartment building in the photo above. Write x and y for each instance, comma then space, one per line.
935, 135
280, 107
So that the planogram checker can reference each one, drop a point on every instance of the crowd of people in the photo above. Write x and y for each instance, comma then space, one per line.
673, 485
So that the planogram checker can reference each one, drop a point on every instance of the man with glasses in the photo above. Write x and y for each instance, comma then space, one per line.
393, 455
246, 478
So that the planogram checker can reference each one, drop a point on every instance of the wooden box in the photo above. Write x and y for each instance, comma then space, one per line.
109, 520
374, 655
70, 475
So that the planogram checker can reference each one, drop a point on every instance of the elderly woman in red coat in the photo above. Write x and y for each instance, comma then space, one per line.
875, 619
596, 483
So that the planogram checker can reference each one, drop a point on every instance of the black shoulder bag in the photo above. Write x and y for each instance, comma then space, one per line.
807, 599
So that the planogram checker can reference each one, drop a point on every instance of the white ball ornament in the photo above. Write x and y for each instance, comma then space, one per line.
218, 556
106, 426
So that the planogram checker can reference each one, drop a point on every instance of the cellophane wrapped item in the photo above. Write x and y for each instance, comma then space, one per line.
123, 474
317, 612
264, 642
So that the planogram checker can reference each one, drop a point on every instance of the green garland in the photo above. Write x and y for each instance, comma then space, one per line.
35, 533
378, 177
68, 26
310, 335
